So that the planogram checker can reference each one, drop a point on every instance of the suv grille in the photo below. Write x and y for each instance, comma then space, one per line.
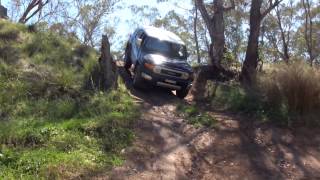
171, 73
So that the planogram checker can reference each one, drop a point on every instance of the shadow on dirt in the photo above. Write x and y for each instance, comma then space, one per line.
237, 148
258, 151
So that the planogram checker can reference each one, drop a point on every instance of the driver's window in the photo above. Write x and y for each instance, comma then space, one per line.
178, 49
139, 37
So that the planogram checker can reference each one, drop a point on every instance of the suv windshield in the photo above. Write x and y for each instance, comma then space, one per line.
171, 50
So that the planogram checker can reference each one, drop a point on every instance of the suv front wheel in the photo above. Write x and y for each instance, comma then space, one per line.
137, 79
182, 93
127, 59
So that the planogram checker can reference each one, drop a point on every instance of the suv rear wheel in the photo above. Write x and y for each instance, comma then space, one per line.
182, 93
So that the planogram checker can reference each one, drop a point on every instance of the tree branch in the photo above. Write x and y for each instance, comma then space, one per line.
272, 5
40, 6
33, 4
205, 15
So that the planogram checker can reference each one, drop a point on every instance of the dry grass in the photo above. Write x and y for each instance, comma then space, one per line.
296, 88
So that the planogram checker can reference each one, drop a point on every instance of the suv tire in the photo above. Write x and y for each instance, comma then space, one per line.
182, 93
137, 79
127, 59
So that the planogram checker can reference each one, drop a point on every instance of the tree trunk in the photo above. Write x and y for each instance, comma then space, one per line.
217, 33
249, 69
252, 54
196, 33
284, 38
108, 66
308, 29
105, 75
216, 28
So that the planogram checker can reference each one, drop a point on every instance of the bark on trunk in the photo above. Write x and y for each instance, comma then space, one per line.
217, 34
196, 34
285, 39
308, 29
216, 29
105, 75
109, 68
251, 60
249, 69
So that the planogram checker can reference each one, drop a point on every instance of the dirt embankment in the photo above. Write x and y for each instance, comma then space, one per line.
168, 148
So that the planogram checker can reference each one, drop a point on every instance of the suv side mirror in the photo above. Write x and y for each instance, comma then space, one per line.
139, 42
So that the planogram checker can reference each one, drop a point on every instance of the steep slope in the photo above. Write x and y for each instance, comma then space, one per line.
51, 126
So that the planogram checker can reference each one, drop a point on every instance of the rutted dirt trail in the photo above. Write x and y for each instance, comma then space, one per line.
168, 148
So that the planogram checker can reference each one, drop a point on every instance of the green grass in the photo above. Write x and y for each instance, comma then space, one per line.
232, 97
51, 127
47, 134
196, 117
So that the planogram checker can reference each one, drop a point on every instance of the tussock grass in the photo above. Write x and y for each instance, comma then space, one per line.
286, 94
295, 88
10, 31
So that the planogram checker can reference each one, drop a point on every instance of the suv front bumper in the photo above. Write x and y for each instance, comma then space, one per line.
166, 81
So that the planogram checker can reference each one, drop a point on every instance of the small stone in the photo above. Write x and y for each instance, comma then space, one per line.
123, 151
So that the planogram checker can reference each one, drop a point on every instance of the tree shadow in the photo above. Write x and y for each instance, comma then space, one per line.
246, 150
284, 161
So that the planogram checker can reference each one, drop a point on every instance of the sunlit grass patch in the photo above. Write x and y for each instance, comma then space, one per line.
31, 146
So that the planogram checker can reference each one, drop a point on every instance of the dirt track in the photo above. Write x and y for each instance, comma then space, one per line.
167, 148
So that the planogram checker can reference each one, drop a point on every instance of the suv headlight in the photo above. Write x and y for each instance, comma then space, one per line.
155, 59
